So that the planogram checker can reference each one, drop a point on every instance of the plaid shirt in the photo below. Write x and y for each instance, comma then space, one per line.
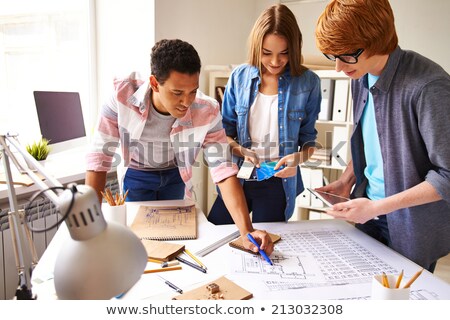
122, 120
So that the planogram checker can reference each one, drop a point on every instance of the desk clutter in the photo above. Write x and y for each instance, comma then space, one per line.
220, 289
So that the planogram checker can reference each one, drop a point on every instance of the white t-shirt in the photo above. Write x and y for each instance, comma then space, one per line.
263, 126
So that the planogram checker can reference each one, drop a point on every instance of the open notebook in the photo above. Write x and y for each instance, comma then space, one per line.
178, 222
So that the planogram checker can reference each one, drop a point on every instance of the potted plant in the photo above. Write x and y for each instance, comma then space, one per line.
39, 149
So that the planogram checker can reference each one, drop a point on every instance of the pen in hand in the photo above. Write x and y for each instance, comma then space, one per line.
170, 284
262, 252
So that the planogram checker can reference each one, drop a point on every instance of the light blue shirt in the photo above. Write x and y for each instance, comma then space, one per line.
299, 101
374, 160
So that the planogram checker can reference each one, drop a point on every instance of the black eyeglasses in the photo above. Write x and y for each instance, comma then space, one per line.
350, 58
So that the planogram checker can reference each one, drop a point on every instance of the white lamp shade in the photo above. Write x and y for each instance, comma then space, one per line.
101, 260
101, 267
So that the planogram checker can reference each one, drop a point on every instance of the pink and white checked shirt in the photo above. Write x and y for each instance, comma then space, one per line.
122, 120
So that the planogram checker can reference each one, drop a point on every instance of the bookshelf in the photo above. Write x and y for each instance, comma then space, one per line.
333, 132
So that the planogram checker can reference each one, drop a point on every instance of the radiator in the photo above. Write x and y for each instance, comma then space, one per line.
44, 214
41, 215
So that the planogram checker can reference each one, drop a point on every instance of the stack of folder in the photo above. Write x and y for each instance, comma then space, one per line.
323, 155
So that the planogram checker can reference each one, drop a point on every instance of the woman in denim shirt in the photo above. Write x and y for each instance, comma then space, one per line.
269, 110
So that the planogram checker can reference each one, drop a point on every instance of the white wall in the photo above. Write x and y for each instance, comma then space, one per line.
218, 29
125, 36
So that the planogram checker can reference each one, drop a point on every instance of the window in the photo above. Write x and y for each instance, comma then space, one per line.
45, 46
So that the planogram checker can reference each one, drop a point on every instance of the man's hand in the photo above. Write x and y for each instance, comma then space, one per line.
358, 210
338, 188
264, 240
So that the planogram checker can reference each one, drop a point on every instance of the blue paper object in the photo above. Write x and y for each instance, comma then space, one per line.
266, 170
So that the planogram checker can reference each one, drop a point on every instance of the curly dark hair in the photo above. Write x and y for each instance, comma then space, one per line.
173, 55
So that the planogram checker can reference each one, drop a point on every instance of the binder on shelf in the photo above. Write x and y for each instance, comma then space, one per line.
304, 198
340, 100
316, 182
326, 106
340, 154
323, 156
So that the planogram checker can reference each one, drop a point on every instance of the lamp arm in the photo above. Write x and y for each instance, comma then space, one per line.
23, 245
87, 267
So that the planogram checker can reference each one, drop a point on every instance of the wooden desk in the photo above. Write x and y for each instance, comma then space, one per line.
322, 259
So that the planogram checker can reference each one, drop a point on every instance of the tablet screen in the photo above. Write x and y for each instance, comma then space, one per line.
328, 198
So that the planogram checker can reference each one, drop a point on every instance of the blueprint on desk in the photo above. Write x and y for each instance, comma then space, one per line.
321, 261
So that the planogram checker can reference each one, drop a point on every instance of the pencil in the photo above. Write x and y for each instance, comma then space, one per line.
125, 196
195, 258
153, 260
410, 282
163, 269
385, 280
110, 196
399, 280
105, 196
166, 264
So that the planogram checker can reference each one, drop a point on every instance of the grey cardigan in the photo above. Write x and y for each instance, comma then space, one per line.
412, 110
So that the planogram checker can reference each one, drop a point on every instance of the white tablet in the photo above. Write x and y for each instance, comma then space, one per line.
328, 198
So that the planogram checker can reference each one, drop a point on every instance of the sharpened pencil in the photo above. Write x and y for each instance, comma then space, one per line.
399, 280
385, 280
414, 278
195, 258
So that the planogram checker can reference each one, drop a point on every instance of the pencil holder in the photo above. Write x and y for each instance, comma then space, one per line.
380, 292
115, 213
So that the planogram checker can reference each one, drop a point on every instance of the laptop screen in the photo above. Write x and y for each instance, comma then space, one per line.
60, 115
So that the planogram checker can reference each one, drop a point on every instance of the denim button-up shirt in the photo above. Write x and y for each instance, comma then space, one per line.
299, 101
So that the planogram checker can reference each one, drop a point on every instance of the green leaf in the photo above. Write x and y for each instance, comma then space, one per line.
39, 149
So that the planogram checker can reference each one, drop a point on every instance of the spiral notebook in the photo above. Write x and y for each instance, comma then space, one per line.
167, 222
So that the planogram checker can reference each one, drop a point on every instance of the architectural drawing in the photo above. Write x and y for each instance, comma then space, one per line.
313, 258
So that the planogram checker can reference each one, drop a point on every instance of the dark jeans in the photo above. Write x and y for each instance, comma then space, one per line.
153, 185
265, 199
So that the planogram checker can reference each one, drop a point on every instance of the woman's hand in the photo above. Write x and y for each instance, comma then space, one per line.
250, 156
290, 163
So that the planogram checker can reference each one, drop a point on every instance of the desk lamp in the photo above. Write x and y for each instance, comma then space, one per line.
100, 261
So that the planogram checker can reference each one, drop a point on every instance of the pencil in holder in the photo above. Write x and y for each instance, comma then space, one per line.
388, 291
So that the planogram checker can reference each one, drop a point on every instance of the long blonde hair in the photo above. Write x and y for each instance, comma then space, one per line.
277, 19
